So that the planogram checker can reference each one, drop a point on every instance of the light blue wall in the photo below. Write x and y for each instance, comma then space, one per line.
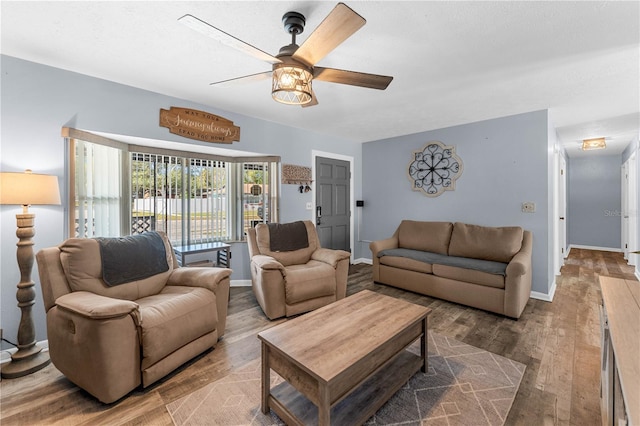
37, 101
506, 162
595, 201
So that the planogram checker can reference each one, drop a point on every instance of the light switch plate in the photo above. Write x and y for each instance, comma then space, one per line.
309, 206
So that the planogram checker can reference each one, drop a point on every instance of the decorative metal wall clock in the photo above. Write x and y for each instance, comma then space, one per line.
434, 169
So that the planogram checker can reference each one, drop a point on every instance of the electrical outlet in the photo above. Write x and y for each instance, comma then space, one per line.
309, 206
528, 207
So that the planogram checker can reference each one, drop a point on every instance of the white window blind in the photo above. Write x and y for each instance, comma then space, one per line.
98, 190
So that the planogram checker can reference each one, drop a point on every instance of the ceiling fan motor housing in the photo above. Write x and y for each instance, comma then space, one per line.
293, 22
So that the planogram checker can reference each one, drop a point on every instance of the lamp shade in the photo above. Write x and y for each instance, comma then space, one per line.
28, 188
291, 84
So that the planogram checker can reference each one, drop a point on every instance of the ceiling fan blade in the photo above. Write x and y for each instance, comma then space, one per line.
227, 39
353, 78
246, 78
314, 100
338, 26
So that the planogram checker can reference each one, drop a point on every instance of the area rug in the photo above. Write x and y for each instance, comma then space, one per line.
463, 386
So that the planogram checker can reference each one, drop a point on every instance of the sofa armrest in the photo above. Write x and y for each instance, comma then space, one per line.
519, 265
378, 246
196, 276
517, 282
266, 263
329, 256
94, 306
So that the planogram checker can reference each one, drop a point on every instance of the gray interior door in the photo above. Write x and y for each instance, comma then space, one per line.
333, 203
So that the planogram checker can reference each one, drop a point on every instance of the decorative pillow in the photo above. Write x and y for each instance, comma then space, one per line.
485, 242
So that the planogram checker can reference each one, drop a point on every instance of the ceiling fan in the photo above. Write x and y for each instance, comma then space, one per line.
294, 67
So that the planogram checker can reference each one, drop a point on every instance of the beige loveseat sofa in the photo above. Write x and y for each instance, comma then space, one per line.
479, 266
108, 336
293, 277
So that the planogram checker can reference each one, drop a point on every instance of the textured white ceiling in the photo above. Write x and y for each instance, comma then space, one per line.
452, 62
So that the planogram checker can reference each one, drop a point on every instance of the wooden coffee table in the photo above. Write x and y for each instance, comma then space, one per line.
343, 361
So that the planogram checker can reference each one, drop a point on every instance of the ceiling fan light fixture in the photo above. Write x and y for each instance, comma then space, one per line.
596, 143
291, 84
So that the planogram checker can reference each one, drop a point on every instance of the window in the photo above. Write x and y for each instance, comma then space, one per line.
258, 197
192, 197
98, 191
184, 197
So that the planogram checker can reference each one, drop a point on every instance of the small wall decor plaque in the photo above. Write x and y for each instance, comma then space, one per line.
199, 125
434, 169
296, 175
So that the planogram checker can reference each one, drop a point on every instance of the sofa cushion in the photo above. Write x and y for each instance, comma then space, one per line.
287, 258
469, 275
426, 236
82, 265
173, 318
484, 242
406, 263
488, 266
304, 282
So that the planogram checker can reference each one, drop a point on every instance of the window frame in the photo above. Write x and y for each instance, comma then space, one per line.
235, 193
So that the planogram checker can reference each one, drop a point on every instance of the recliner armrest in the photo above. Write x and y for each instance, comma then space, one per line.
329, 256
94, 306
267, 262
206, 277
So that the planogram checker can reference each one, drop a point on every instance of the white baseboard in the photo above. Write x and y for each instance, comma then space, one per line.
578, 246
363, 260
240, 283
637, 274
547, 297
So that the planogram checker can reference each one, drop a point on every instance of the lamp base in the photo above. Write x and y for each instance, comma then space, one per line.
25, 362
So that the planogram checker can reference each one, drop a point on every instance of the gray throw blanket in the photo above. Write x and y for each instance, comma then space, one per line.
132, 258
288, 236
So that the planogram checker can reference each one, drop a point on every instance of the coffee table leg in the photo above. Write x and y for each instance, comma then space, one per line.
266, 378
424, 343
324, 409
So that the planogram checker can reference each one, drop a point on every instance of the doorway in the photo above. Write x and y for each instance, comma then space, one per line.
333, 192
560, 210
630, 208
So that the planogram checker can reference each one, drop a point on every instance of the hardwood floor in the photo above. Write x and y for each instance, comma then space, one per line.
559, 342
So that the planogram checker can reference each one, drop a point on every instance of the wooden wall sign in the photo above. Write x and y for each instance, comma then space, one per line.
199, 125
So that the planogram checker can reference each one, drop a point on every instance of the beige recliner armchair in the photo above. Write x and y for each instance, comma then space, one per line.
290, 272
120, 313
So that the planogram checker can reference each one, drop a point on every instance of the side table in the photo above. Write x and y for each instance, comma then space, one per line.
222, 250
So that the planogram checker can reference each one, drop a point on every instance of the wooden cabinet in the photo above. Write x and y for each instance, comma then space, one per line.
620, 326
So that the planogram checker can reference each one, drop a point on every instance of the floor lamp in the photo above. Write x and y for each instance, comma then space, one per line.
25, 189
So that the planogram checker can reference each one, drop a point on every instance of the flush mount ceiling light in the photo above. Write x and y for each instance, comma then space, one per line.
596, 143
